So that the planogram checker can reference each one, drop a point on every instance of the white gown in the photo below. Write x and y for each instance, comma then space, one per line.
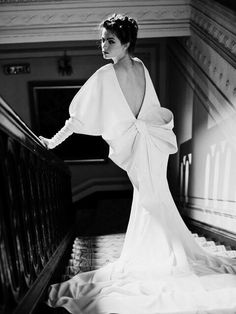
161, 268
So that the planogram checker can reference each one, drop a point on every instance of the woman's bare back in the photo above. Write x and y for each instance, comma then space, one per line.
132, 83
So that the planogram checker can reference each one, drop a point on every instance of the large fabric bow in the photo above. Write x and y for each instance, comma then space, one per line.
148, 135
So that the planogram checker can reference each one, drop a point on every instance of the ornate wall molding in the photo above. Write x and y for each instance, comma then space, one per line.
215, 23
215, 102
36, 21
214, 66
221, 35
24, 21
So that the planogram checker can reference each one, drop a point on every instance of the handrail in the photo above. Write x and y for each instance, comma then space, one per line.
12, 124
35, 208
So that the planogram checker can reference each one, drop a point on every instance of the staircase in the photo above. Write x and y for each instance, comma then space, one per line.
92, 252
215, 247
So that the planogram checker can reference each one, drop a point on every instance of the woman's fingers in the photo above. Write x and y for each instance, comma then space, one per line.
44, 141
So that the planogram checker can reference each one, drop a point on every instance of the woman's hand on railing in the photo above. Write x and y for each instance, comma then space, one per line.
44, 141
59, 137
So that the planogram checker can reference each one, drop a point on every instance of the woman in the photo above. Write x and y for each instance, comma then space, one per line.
161, 268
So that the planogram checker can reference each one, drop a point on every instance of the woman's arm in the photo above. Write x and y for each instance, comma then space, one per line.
87, 114
59, 137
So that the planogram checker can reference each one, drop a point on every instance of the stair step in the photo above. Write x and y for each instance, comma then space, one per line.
90, 253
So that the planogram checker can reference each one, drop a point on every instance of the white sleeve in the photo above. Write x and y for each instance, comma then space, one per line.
89, 111
61, 135
84, 113
87, 107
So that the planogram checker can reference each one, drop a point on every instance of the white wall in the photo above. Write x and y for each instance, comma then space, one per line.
201, 84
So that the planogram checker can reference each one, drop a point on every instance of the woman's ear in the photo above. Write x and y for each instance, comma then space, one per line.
126, 46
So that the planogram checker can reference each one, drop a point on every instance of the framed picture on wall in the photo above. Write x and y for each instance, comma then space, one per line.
50, 102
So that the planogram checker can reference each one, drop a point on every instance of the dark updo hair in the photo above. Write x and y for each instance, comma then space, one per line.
124, 27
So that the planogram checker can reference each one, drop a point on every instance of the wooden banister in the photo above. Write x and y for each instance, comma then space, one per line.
35, 211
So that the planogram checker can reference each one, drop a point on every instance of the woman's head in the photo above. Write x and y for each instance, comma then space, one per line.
124, 28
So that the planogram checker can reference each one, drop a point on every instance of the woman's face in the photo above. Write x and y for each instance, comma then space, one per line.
111, 45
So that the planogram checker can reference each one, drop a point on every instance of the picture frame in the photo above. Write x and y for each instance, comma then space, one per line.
50, 102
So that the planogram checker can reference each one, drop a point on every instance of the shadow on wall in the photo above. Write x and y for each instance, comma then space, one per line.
208, 178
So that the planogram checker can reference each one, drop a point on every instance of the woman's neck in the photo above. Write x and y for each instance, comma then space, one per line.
124, 61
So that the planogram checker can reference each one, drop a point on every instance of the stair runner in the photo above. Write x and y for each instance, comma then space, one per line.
93, 252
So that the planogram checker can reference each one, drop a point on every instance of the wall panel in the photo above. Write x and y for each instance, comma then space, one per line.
201, 73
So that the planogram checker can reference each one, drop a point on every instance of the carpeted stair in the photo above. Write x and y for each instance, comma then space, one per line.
89, 253
215, 247
93, 252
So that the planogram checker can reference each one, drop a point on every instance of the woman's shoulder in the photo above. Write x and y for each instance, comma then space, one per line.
104, 69
138, 61
99, 75
139, 64
140, 68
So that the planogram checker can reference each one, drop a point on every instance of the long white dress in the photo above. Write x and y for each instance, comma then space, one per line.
161, 268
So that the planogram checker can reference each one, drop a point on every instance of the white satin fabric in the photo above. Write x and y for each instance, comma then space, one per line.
161, 268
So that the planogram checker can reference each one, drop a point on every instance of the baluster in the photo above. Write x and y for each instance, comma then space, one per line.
6, 292
40, 211
28, 242
34, 209
32, 228
46, 209
12, 221
51, 205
